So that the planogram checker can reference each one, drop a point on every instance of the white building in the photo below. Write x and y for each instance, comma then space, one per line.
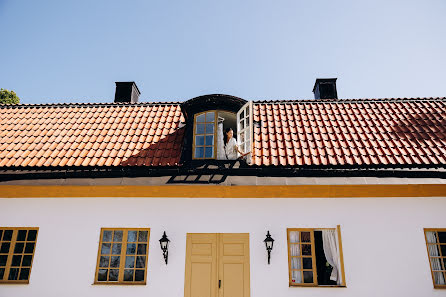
352, 192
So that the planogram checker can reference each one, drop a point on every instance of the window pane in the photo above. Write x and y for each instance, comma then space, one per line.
201, 118
27, 260
308, 277
296, 277
128, 275
129, 262
247, 111
210, 140
32, 234
307, 263
210, 116
142, 249
21, 236
209, 128
114, 261
2, 273
7, 236
24, 274
305, 237
117, 236
242, 114
306, 249
113, 275
16, 260
443, 250
295, 263
131, 248
103, 262
29, 248
438, 278
143, 236
1, 233
295, 249
5, 247
242, 124
436, 264
199, 140
209, 152
139, 275
294, 236
132, 236
199, 152
116, 249
102, 275
105, 249
107, 236
3, 259
442, 237
140, 262
19, 247
200, 129
13, 274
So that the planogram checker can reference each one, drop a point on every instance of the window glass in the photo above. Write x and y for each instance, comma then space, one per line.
204, 136
122, 256
17, 247
436, 249
309, 263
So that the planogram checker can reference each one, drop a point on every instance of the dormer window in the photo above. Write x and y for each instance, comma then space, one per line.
219, 128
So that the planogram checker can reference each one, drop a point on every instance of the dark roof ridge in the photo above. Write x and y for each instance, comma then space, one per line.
350, 100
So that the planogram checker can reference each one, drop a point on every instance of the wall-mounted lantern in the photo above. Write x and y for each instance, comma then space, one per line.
269, 242
164, 243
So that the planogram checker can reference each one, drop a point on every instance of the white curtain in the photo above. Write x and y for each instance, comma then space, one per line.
435, 262
220, 143
331, 251
296, 276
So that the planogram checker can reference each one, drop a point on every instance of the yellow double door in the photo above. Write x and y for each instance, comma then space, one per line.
217, 265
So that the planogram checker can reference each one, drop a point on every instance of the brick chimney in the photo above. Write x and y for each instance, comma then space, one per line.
127, 92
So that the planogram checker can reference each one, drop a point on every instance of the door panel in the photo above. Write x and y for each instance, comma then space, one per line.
201, 265
233, 265
214, 258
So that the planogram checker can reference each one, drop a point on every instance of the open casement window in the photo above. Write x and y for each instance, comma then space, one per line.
17, 247
436, 250
204, 135
122, 256
315, 257
244, 130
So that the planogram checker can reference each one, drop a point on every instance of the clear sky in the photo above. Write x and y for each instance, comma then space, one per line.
74, 51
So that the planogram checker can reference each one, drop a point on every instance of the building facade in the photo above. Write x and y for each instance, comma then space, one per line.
326, 197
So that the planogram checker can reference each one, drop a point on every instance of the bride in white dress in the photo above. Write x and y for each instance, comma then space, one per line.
231, 148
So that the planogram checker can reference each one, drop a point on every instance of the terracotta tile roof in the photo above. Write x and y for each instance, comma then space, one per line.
350, 132
91, 135
289, 133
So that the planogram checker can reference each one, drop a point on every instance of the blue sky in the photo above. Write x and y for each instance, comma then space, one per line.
74, 51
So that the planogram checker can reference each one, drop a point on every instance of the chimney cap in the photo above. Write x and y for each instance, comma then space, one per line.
319, 80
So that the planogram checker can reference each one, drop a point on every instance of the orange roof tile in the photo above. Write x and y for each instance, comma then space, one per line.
72, 135
350, 132
289, 133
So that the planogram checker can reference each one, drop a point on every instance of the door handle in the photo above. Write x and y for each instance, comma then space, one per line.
219, 283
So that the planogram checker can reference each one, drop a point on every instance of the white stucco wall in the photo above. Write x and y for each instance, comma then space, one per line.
383, 242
